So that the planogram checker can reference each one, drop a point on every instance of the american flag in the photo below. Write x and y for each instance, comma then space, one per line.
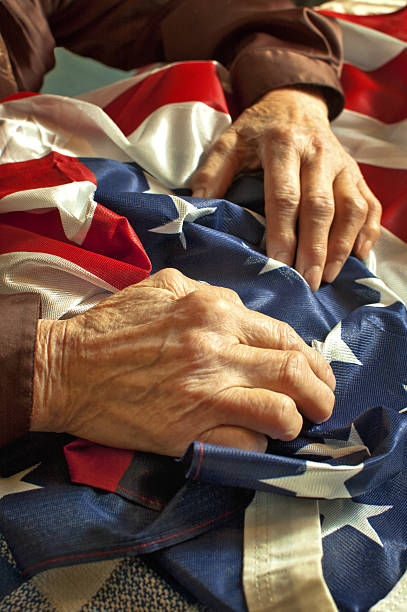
94, 195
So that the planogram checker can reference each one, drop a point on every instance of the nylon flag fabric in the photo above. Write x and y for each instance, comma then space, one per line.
94, 194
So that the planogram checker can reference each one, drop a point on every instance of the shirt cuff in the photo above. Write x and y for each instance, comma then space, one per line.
255, 72
18, 327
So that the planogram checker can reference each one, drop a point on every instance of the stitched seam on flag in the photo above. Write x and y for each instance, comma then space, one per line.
198, 467
135, 547
151, 501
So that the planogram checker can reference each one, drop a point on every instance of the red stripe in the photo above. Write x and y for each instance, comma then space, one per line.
113, 236
20, 95
49, 171
393, 24
109, 234
390, 187
95, 465
379, 93
188, 82
117, 273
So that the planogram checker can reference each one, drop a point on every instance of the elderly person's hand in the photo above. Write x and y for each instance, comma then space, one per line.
171, 360
317, 204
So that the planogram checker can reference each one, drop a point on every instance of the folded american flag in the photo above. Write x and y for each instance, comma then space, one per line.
84, 183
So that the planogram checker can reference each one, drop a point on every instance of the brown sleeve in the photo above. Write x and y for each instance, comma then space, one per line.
18, 326
266, 43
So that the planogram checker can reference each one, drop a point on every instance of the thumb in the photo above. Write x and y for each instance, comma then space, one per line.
214, 177
235, 437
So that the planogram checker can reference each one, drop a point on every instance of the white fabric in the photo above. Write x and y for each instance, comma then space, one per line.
368, 49
371, 141
282, 569
66, 289
364, 7
395, 600
388, 259
74, 202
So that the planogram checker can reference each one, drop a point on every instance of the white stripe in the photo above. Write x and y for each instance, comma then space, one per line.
395, 600
388, 261
66, 289
371, 141
73, 201
187, 128
366, 48
34, 127
59, 124
282, 556
362, 7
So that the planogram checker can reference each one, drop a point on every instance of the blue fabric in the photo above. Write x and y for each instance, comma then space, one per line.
364, 531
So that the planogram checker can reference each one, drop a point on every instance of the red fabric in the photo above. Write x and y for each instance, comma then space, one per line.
379, 93
181, 83
95, 465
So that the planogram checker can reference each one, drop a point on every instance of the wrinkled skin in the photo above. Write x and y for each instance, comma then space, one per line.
171, 360
318, 207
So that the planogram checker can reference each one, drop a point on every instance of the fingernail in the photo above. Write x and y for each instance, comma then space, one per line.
313, 277
331, 380
199, 193
332, 270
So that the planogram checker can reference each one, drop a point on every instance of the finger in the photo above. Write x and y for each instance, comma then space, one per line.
316, 214
235, 437
281, 164
350, 215
259, 330
285, 372
371, 228
263, 411
222, 164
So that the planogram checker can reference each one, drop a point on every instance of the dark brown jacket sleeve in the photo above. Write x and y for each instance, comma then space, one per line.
266, 43
18, 326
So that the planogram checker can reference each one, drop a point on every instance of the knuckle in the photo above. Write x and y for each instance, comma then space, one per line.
320, 204
292, 368
288, 338
231, 295
287, 199
284, 136
199, 307
318, 144
340, 248
222, 146
354, 209
169, 275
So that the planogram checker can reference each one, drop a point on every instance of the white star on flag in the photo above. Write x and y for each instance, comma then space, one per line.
15, 484
334, 348
187, 213
269, 265
387, 296
336, 448
341, 512
320, 480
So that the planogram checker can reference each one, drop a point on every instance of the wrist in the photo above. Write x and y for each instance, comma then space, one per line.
47, 379
309, 100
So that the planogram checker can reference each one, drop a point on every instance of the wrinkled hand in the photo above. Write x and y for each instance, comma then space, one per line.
171, 360
317, 204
